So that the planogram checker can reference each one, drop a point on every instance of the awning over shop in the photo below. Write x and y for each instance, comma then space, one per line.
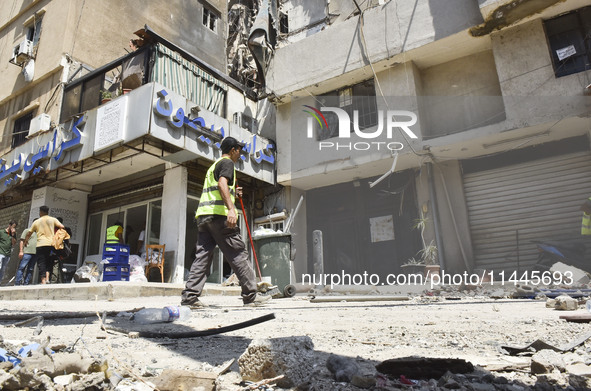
187, 79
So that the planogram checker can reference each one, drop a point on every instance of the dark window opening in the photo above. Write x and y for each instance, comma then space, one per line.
21, 129
569, 38
34, 32
360, 97
283, 23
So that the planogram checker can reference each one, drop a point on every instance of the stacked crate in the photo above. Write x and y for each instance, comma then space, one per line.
115, 262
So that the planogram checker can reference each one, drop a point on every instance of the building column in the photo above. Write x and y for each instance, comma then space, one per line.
174, 220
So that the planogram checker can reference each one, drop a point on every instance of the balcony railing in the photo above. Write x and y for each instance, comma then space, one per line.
159, 61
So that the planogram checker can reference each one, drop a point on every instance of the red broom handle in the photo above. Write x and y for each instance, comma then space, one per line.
250, 237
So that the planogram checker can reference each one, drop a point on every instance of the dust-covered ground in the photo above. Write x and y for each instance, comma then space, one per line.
468, 325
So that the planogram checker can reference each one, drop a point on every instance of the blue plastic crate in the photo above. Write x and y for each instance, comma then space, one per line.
115, 253
116, 272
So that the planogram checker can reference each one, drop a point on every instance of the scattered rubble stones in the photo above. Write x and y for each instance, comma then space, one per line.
566, 303
291, 357
546, 361
343, 368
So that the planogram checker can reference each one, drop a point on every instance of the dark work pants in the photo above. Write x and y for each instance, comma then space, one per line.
45, 260
212, 232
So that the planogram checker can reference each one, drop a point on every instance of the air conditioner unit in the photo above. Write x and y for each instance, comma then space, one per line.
22, 52
38, 124
25, 51
246, 121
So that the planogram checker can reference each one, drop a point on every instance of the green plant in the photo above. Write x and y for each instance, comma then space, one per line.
414, 261
429, 252
106, 94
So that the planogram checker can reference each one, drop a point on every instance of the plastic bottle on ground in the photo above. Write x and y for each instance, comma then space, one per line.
588, 305
162, 315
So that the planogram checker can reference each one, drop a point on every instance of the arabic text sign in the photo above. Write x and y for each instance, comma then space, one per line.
29, 164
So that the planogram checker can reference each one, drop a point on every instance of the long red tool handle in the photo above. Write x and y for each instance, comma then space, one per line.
250, 237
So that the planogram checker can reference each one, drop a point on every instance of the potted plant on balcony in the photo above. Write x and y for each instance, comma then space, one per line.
106, 96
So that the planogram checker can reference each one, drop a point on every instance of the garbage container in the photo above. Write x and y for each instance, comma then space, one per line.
274, 256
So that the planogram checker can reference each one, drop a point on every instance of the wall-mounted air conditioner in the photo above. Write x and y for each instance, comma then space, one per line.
22, 52
246, 121
40, 123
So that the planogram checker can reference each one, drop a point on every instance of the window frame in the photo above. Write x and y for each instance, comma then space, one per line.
210, 16
349, 98
556, 32
20, 137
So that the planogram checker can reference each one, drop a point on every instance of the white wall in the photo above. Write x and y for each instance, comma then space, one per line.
173, 219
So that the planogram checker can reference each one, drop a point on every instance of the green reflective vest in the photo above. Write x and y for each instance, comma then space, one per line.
586, 224
112, 234
211, 202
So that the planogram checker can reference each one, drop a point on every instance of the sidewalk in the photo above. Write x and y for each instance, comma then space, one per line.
108, 290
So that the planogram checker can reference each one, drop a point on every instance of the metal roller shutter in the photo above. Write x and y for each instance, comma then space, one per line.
510, 206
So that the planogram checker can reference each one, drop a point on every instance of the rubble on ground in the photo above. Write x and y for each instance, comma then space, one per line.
294, 352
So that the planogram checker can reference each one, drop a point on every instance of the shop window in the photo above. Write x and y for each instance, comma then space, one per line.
21, 129
138, 218
210, 19
360, 97
569, 38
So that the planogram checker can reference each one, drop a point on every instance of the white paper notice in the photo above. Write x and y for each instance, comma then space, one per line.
382, 228
566, 52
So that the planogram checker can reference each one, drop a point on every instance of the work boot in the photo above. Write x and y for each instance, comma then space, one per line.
193, 303
259, 300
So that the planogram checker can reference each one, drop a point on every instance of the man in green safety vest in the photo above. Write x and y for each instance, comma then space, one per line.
586, 223
115, 233
216, 220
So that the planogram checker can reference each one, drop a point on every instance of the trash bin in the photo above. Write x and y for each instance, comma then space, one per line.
274, 256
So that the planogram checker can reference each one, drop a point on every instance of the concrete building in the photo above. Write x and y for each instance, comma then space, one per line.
480, 110
139, 158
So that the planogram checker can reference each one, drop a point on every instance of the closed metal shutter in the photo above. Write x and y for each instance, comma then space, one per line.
510, 206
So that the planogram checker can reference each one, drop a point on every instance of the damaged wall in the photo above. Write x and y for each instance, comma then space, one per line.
389, 30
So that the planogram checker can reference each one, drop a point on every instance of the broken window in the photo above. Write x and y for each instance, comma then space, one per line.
283, 23
569, 38
21, 129
210, 19
34, 31
360, 97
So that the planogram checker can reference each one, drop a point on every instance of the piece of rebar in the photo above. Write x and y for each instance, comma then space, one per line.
317, 254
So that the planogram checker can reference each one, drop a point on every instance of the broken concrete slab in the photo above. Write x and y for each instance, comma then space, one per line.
566, 303
546, 361
539, 344
423, 368
579, 276
175, 379
270, 358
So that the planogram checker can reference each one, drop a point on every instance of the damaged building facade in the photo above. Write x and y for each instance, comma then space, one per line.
469, 116
113, 111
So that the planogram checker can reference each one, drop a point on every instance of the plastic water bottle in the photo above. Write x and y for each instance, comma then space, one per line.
162, 315
588, 305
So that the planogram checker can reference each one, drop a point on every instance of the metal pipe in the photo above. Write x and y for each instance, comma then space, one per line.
317, 254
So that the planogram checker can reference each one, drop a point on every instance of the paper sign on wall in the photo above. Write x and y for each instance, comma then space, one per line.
382, 228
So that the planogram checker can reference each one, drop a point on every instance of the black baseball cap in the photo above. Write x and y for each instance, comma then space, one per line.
230, 142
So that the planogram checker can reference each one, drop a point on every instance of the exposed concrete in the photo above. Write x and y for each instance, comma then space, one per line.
510, 13
461, 94
388, 30
532, 93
